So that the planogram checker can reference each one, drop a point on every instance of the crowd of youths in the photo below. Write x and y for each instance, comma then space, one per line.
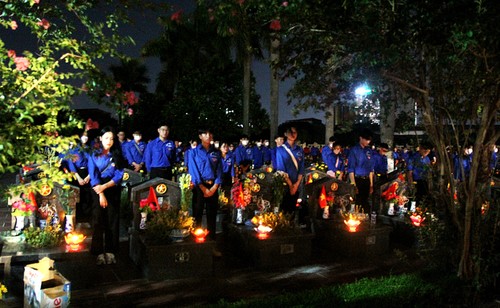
99, 159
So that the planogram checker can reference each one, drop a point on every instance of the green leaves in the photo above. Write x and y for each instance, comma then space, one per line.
38, 82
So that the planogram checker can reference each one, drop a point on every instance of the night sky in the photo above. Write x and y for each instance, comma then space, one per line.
146, 28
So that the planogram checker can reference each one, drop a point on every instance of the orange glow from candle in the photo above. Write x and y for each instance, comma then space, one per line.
263, 231
416, 220
74, 240
352, 224
200, 235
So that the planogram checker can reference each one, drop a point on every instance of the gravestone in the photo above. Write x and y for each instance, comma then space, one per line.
131, 178
167, 192
278, 250
172, 260
52, 197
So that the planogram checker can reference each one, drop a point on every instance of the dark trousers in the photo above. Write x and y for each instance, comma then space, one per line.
106, 222
421, 190
164, 173
363, 195
84, 206
289, 204
210, 204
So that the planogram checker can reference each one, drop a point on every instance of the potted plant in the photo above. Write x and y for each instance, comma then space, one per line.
169, 224
50, 236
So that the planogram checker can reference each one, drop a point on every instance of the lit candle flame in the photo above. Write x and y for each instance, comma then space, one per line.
416, 220
263, 231
200, 235
352, 224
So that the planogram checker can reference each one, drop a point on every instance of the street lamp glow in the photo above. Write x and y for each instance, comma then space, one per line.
362, 91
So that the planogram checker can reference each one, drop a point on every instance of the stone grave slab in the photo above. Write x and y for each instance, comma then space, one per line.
173, 260
52, 197
275, 251
167, 192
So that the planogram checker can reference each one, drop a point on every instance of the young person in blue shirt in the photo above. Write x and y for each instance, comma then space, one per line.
134, 152
78, 165
360, 169
258, 154
228, 173
160, 155
380, 165
279, 142
244, 155
419, 168
106, 165
290, 160
205, 168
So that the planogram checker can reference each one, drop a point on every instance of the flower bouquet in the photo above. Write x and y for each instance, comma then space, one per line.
166, 220
186, 191
279, 223
50, 236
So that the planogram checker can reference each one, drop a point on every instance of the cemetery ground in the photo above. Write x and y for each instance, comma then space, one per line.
326, 278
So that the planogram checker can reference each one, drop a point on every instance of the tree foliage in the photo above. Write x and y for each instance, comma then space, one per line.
443, 56
199, 84
47, 49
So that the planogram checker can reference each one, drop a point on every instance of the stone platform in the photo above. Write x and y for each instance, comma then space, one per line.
275, 251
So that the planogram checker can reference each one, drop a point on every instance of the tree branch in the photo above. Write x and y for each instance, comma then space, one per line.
37, 82
403, 82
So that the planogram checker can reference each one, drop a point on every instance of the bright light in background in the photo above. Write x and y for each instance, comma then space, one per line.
362, 90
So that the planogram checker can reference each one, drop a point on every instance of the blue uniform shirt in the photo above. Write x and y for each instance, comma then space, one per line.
134, 152
285, 163
379, 163
102, 167
334, 162
258, 157
273, 157
159, 154
78, 158
205, 165
419, 165
228, 164
457, 170
243, 153
314, 151
360, 160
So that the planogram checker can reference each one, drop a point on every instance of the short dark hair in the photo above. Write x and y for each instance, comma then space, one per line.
384, 146
203, 130
366, 134
332, 139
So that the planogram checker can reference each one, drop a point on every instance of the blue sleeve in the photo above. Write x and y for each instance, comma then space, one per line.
193, 168
93, 172
218, 170
117, 176
147, 156
351, 161
127, 149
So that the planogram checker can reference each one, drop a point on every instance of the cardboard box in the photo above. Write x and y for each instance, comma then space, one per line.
45, 287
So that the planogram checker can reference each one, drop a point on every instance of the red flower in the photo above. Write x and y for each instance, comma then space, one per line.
275, 25
390, 193
11, 53
176, 16
130, 98
22, 63
118, 85
13, 25
285, 3
44, 23
37, 1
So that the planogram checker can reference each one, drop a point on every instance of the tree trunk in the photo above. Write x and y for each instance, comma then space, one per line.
330, 122
274, 99
247, 65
